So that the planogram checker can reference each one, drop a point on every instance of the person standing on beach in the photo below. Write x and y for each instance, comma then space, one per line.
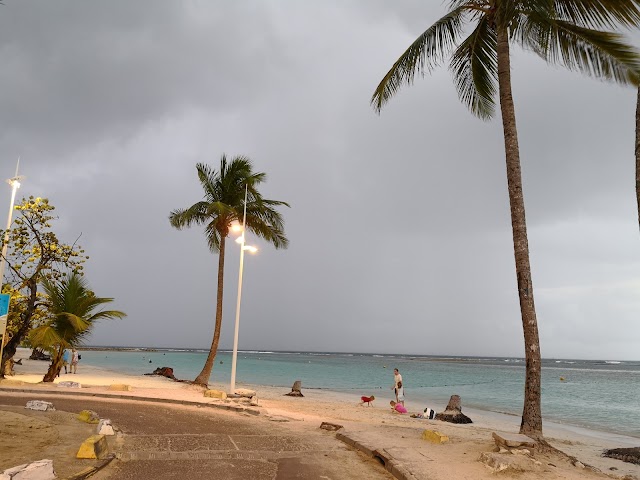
397, 378
74, 360
65, 359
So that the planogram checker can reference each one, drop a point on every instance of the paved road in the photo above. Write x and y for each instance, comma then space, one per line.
178, 442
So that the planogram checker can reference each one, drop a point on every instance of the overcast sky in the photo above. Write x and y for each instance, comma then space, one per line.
399, 223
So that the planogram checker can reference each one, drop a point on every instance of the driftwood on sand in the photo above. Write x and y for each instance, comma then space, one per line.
166, 372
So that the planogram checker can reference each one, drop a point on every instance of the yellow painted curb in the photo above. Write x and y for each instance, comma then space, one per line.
120, 387
93, 447
88, 416
434, 437
215, 394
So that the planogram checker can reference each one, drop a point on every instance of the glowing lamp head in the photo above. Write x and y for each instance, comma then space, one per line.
250, 248
235, 227
240, 239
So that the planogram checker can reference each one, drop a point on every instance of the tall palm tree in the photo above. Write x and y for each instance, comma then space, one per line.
71, 306
561, 32
224, 193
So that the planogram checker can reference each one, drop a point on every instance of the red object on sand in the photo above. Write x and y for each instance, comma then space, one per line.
367, 400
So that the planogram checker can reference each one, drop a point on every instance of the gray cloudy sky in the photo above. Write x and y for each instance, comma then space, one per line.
399, 227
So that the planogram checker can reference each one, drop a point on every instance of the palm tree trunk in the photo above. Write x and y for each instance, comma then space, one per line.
203, 376
531, 415
55, 367
638, 154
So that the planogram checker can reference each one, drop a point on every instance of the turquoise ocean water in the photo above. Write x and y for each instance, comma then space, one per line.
599, 395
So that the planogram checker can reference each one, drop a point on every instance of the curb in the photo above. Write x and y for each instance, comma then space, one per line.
233, 408
395, 468
87, 472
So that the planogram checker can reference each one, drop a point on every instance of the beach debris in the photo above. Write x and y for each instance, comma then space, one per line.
69, 385
332, 427
254, 401
629, 455
38, 354
88, 416
215, 394
93, 447
163, 372
40, 405
105, 427
38, 470
120, 387
434, 436
296, 390
453, 412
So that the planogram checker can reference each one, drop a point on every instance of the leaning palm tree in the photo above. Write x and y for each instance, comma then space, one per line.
71, 307
560, 31
224, 194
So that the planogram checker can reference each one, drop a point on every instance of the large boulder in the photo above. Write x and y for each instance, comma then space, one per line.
453, 412
630, 455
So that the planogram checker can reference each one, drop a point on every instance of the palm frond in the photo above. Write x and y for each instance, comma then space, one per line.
598, 13
475, 70
592, 52
425, 53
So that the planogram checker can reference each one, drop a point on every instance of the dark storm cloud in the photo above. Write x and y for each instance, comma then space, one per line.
399, 227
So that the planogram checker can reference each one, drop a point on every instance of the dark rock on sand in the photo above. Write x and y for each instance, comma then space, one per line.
163, 372
629, 455
296, 389
453, 412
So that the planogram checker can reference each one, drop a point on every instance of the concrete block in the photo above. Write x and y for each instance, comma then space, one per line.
434, 437
93, 447
69, 385
120, 387
39, 405
245, 392
40, 470
105, 427
215, 394
88, 416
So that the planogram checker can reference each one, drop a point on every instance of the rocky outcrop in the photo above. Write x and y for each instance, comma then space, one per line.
453, 412
163, 372
629, 455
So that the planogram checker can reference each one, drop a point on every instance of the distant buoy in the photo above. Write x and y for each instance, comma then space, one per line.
221, 362
384, 366
562, 379
149, 361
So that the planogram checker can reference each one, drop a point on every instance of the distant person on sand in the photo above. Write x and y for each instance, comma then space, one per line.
397, 407
400, 393
65, 359
397, 378
74, 360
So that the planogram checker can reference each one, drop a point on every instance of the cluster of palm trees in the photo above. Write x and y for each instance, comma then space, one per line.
572, 33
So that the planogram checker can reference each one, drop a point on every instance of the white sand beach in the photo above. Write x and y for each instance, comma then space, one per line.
457, 458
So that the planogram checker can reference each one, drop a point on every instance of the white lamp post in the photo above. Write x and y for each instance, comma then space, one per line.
241, 240
15, 185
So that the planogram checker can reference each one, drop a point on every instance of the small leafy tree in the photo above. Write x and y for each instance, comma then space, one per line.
71, 316
34, 253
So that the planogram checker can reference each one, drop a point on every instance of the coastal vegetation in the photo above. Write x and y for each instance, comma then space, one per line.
563, 32
34, 255
70, 308
223, 203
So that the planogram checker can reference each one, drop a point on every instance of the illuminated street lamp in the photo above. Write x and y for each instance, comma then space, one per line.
251, 249
15, 185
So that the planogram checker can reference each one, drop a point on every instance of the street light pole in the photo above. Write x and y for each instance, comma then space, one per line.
232, 389
15, 185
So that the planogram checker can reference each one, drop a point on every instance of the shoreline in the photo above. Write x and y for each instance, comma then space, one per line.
320, 405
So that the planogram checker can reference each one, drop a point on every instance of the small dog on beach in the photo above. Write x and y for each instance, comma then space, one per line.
367, 400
